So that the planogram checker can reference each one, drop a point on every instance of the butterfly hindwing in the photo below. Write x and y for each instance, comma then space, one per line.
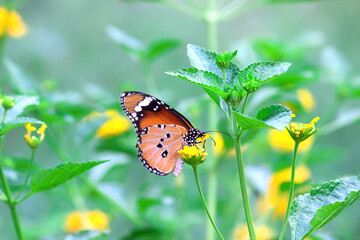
158, 147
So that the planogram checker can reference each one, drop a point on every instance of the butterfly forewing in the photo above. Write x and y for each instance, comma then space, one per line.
158, 147
144, 110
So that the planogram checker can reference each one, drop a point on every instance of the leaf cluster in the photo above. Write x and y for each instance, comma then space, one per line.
227, 84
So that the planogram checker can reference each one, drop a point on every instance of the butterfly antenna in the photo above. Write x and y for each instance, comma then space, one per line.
213, 140
220, 132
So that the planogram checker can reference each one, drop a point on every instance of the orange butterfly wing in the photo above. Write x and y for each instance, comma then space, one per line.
158, 147
162, 131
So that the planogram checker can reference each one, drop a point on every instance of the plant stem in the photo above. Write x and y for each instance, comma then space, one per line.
149, 79
3, 118
291, 190
27, 173
245, 101
10, 202
242, 180
203, 200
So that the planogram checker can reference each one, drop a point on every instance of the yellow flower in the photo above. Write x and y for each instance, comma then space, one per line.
90, 220
115, 125
281, 141
306, 99
275, 200
263, 232
11, 24
32, 140
192, 155
300, 131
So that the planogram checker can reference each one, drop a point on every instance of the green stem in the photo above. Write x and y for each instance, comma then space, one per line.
245, 101
291, 190
10, 202
203, 200
149, 79
27, 173
3, 118
242, 180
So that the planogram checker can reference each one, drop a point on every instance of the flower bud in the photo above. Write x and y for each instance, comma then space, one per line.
251, 86
8, 102
224, 59
235, 97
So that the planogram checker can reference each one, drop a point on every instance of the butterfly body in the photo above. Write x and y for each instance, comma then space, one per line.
162, 132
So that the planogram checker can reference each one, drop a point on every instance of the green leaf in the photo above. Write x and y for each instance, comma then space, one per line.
17, 122
274, 116
313, 210
160, 47
128, 43
21, 102
51, 178
145, 203
204, 79
263, 71
203, 59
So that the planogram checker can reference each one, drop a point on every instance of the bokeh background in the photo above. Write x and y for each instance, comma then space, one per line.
75, 57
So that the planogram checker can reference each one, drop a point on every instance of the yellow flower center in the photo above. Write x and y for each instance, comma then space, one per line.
193, 151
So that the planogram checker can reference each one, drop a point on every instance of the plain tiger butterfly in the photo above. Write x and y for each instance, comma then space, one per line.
162, 132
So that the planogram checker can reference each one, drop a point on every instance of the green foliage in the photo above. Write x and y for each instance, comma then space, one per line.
311, 211
207, 80
51, 178
137, 49
20, 105
224, 59
144, 203
274, 116
17, 122
263, 71
203, 59
208, 74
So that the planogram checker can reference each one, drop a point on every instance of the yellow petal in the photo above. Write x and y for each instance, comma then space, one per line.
115, 126
306, 99
281, 141
3, 20
15, 26
263, 232
219, 147
94, 220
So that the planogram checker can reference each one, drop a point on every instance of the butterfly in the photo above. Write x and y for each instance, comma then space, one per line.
162, 132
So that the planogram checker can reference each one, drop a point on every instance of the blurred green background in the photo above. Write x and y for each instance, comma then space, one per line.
68, 45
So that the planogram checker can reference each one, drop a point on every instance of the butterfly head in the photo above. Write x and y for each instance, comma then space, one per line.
192, 135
